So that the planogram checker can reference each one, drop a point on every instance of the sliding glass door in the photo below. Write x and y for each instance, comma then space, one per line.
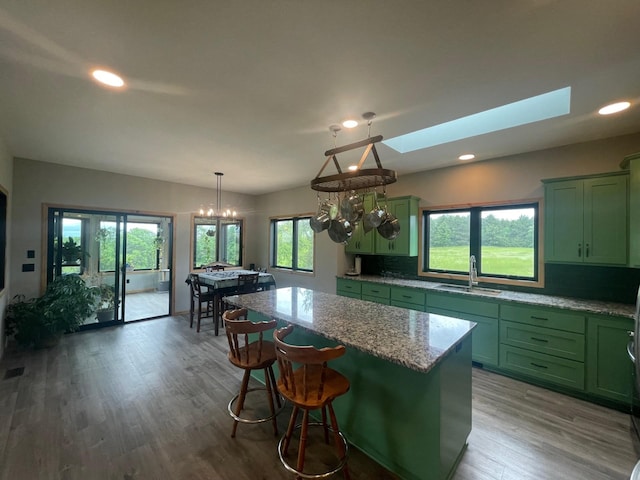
127, 257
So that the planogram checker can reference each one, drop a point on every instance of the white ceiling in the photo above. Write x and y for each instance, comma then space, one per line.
250, 87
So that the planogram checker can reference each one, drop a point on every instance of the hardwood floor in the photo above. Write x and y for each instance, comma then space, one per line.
148, 401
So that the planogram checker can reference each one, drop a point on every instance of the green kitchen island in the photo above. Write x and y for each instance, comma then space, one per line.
409, 406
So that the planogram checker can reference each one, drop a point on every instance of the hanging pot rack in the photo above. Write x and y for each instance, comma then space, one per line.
360, 178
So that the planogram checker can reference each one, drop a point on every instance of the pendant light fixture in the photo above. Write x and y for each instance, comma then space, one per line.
217, 212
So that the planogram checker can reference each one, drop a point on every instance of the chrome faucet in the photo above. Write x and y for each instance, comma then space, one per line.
473, 272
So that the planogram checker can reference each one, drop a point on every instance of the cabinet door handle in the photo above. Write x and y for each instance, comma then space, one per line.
540, 340
586, 251
579, 249
533, 317
538, 365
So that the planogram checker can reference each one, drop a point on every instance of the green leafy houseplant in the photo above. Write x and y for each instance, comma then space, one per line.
41, 321
106, 302
71, 251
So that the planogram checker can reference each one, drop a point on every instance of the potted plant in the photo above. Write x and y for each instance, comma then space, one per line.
106, 303
41, 321
71, 252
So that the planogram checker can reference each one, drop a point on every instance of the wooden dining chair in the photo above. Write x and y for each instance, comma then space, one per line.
200, 296
213, 268
309, 384
247, 283
250, 353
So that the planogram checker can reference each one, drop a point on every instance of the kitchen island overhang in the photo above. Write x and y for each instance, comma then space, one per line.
409, 407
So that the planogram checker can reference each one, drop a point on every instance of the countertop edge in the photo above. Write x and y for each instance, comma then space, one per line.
423, 367
596, 307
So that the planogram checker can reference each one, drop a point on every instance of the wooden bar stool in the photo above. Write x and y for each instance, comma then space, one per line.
310, 386
251, 355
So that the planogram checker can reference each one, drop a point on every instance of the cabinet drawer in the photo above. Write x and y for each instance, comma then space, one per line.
458, 303
375, 290
408, 295
350, 286
342, 293
560, 320
369, 298
544, 340
408, 306
544, 367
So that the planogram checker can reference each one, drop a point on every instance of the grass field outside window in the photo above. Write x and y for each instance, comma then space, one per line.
508, 261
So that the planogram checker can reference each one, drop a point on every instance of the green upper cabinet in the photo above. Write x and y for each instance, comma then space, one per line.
405, 209
633, 163
361, 242
586, 219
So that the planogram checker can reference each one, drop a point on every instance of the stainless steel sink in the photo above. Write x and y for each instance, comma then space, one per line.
467, 289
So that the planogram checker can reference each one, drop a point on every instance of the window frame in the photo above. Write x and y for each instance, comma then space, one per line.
296, 219
218, 223
475, 211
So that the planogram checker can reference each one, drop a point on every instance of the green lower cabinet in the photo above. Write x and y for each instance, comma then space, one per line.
484, 313
407, 305
608, 365
349, 294
485, 336
409, 298
544, 340
368, 298
405, 297
540, 366
348, 288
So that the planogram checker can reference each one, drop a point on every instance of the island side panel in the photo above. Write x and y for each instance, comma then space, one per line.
455, 415
396, 415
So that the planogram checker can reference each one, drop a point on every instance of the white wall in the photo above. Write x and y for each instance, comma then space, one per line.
36, 183
515, 177
329, 256
6, 181
510, 178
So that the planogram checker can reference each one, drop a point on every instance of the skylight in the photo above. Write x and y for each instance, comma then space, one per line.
533, 109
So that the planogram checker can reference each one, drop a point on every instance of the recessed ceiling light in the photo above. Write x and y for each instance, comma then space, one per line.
349, 124
467, 156
614, 108
107, 78
353, 168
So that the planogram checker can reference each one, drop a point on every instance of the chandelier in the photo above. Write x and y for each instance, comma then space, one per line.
217, 212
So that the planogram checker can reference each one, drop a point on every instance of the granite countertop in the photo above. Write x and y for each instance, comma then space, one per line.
576, 304
416, 340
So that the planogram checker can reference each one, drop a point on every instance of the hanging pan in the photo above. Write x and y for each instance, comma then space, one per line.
340, 230
352, 208
374, 218
389, 228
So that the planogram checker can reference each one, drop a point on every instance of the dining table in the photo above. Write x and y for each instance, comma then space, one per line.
225, 282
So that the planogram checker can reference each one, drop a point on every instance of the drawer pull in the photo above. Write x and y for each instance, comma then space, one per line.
533, 317
540, 340
538, 365
406, 296
375, 291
